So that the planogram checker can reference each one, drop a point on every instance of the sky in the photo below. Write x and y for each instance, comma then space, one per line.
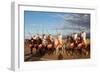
55, 22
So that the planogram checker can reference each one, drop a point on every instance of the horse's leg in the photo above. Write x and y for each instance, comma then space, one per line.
85, 52
37, 50
31, 50
57, 50
62, 50
53, 50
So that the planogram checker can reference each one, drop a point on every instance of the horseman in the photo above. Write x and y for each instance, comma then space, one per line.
74, 35
31, 45
81, 39
50, 40
34, 38
44, 40
83, 35
39, 39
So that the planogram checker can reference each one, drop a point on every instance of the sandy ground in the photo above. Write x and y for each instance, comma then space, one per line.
53, 56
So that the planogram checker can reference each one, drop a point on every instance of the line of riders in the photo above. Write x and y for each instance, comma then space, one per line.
76, 42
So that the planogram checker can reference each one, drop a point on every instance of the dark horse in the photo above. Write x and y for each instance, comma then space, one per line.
34, 43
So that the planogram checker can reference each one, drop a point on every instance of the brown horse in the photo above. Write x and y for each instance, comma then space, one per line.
69, 45
82, 45
35, 43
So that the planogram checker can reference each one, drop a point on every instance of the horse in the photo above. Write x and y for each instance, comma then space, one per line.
82, 43
50, 44
36, 44
58, 44
69, 45
31, 45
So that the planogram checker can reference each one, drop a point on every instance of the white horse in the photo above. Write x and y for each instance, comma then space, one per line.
83, 35
58, 44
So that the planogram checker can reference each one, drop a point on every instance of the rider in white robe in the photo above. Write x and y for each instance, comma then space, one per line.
83, 35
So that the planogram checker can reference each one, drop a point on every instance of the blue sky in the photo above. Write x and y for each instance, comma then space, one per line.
53, 22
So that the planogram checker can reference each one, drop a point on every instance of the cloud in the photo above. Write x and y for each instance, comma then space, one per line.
76, 17
75, 21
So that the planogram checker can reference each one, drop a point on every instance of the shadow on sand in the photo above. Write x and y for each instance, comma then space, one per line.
34, 57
